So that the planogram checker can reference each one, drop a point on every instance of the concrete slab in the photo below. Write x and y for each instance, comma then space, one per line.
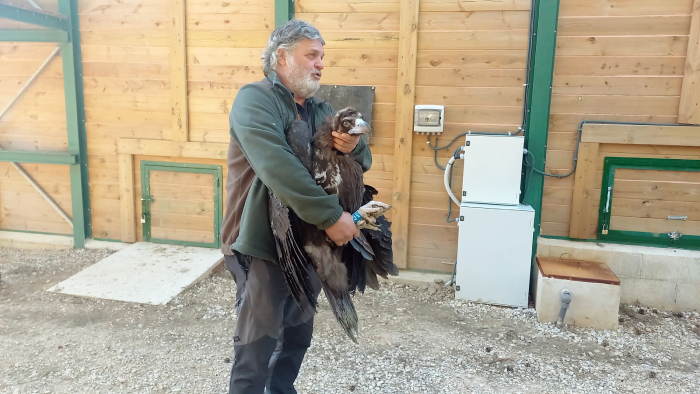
143, 273
417, 278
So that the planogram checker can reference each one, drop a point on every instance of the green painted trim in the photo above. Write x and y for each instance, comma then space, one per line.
146, 198
75, 121
284, 12
109, 240
30, 35
639, 237
542, 50
22, 156
35, 18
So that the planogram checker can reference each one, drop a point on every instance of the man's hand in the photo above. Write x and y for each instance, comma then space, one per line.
345, 142
343, 231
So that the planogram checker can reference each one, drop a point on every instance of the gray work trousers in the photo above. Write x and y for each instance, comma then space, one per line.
272, 333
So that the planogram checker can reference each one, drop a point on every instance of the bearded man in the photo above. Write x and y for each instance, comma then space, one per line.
272, 333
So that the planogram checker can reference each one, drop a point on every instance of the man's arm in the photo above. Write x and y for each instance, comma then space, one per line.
259, 132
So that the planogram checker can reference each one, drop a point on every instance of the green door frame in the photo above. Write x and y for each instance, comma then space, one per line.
606, 198
284, 12
542, 52
146, 198
62, 28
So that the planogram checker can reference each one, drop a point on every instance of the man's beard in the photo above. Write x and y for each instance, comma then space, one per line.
301, 83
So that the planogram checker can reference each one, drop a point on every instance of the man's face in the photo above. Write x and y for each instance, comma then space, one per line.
301, 69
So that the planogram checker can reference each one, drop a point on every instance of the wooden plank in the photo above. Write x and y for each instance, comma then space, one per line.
584, 191
624, 7
96, 53
483, 20
469, 96
508, 39
364, 21
619, 65
615, 105
664, 25
124, 21
178, 70
473, 59
470, 77
308, 6
657, 190
470, 5
146, 87
200, 150
230, 7
405, 97
182, 234
230, 22
622, 46
689, 111
127, 198
662, 226
642, 135
618, 85
102, 7
570, 122
126, 37
126, 70
655, 209
657, 175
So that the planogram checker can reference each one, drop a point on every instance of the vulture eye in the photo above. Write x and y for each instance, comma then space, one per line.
346, 124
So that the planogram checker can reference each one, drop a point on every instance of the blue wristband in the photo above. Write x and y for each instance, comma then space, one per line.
356, 217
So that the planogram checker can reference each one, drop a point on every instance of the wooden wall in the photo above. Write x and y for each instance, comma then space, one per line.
37, 121
471, 58
623, 62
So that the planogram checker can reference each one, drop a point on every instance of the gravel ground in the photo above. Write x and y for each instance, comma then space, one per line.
412, 340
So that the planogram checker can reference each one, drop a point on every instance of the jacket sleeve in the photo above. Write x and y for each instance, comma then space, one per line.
258, 128
362, 155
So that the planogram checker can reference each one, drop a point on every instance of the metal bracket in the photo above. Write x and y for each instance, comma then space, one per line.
675, 235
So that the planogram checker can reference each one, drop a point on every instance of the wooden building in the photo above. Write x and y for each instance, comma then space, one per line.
135, 103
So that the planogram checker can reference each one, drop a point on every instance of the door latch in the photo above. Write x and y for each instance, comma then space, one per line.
605, 229
143, 218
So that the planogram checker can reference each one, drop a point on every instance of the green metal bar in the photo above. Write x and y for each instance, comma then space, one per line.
543, 47
35, 18
30, 156
75, 121
284, 12
28, 35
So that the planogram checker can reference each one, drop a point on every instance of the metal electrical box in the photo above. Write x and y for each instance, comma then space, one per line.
494, 252
492, 169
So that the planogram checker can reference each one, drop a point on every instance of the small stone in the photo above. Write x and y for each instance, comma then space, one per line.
652, 374
432, 290
352, 387
488, 349
227, 360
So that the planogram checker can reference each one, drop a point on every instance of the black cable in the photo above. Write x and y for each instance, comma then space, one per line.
449, 208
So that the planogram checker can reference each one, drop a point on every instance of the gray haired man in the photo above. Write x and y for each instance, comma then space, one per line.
272, 333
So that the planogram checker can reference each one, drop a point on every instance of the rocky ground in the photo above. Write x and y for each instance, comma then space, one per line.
412, 340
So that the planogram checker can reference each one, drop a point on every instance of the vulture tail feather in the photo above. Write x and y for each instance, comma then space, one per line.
344, 311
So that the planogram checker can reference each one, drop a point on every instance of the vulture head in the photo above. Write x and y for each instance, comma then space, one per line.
350, 121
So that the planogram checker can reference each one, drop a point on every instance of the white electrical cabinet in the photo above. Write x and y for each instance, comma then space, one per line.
492, 169
495, 248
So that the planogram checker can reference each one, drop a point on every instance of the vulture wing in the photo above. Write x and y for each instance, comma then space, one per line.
286, 225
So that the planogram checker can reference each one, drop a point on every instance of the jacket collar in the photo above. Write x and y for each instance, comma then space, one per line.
275, 80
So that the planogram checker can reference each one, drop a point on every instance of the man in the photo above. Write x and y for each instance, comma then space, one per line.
272, 333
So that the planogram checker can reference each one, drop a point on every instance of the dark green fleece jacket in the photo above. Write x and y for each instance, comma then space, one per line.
260, 158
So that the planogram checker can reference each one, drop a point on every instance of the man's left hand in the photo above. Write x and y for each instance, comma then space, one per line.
345, 142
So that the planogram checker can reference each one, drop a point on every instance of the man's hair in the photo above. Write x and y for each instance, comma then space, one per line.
287, 37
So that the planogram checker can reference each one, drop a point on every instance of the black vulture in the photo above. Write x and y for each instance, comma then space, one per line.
342, 269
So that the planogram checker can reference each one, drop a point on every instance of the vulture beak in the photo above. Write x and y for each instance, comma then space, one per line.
361, 127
